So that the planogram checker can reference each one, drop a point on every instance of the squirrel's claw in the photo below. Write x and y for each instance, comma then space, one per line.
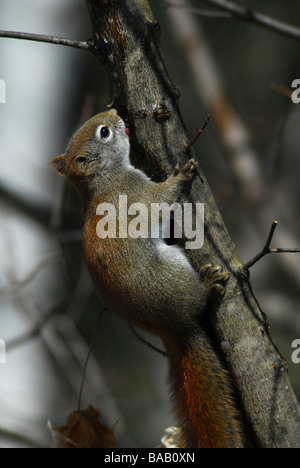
214, 277
187, 172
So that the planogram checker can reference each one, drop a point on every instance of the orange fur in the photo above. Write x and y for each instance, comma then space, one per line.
203, 397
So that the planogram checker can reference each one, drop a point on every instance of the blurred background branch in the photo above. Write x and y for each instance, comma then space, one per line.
252, 16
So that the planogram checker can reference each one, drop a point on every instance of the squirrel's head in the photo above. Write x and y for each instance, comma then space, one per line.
98, 147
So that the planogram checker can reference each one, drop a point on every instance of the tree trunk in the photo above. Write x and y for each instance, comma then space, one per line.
127, 41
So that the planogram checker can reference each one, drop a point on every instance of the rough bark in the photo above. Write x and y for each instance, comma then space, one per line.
127, 42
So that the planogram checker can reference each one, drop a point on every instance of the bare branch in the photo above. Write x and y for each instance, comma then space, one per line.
271, 234
232, 10
285, 250
266, 250
145, 342
193, 141
84, 45
246, 14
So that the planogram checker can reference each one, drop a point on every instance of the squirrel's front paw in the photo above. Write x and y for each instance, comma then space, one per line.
188, 172
214, 278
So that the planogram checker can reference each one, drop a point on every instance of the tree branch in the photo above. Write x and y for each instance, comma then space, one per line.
84, 45
202, 130
266, 250
127, 40
246, 14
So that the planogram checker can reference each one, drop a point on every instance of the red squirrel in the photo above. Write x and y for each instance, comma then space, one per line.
151, 283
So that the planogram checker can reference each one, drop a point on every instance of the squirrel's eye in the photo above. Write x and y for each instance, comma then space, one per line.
104, 132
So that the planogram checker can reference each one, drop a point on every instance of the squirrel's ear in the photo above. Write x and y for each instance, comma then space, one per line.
59, 164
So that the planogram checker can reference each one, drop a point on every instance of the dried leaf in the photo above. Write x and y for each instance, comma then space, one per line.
81, 430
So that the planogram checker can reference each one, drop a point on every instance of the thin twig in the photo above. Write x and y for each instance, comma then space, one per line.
145, 342
246, 14
266, 250
297, 250
84, 45
271, 234
199, 132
